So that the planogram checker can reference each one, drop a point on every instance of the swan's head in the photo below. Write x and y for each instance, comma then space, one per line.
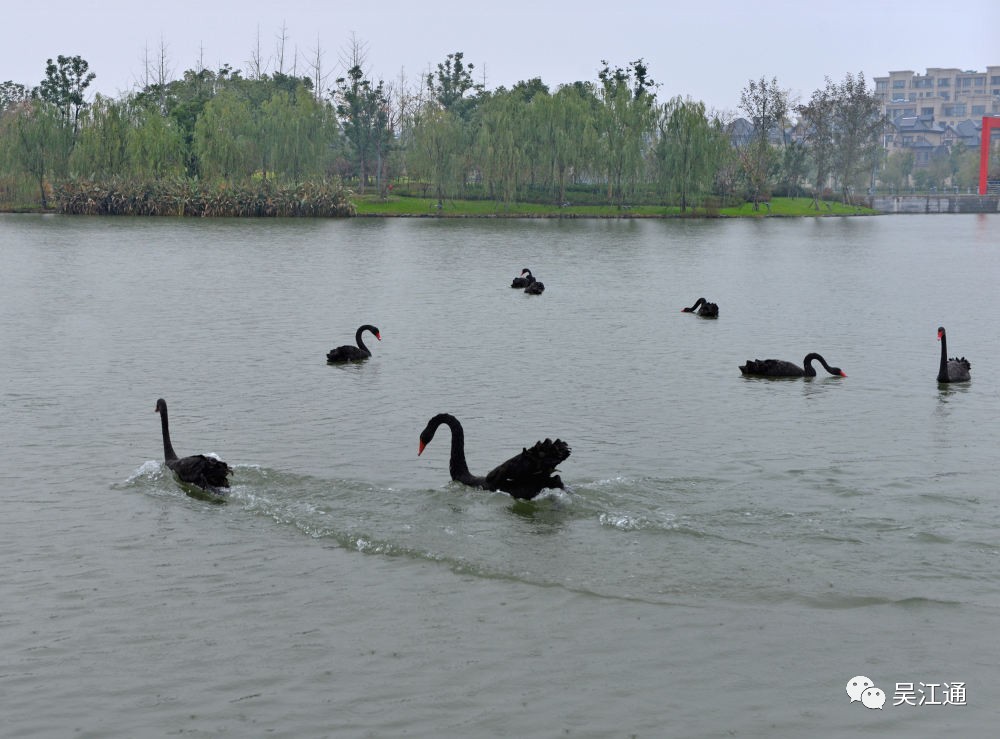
428, 433
425, 438
161, 406
940, 332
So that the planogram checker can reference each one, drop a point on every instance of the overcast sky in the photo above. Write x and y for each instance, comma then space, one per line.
706, 50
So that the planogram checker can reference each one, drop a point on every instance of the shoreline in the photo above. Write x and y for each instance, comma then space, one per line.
405, 207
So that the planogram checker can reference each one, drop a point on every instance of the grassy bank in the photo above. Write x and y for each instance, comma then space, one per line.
373, 205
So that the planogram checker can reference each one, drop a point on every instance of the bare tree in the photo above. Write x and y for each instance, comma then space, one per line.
280, 50
319, 77
408, 100
258, 66
157, 73
354, 54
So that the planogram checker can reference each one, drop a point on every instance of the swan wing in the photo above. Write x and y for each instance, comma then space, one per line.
346, 353
205, 472
771, 368
528, 473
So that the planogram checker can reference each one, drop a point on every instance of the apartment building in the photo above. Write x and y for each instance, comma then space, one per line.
944, 95
930, 112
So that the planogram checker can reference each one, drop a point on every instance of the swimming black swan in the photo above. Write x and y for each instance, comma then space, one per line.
348, 353
781, 368
523, 281
523, 476
207, 473
952, 370
707, 310
535, 288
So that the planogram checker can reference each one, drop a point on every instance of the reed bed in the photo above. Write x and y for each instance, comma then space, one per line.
194, 198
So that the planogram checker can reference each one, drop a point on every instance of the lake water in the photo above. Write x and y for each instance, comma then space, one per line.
728, 554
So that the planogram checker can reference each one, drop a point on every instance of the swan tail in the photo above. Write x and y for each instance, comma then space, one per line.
551, 452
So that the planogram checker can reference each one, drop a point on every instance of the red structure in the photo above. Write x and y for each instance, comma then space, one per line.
989, 123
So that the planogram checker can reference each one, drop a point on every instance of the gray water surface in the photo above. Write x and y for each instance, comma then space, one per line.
728, 553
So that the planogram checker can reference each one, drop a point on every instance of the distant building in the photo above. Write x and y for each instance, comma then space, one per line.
944, 96
930, 112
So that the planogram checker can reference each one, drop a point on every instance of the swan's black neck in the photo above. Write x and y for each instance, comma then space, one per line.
168, 450
457, 466
943, 369
809, 370
359, 342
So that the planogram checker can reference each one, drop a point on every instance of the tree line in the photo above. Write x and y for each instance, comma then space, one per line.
609, 140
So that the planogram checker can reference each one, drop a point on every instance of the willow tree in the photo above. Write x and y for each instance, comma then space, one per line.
437, 150
101, 148
686, 148
225, 137
299, 134
563, 125
156, 144
184, 101
37, 141
501, 144
625, 121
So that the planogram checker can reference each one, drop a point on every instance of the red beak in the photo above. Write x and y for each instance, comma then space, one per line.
378, 336
421, 449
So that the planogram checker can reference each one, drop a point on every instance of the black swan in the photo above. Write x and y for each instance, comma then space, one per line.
523, 476
781, 368
535, 288
207, 473
952, 370
523, 281
707, 310
348, 353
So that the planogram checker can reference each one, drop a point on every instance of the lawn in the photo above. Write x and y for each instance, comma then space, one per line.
373, 205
